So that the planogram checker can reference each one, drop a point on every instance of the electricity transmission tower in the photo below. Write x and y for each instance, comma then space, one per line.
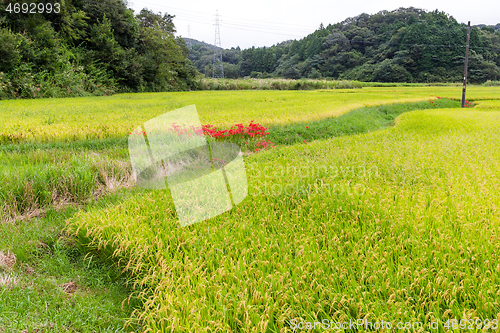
189, 44
218, 69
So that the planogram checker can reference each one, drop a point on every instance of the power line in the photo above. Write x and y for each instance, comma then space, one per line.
201, 18
261, 31
265, 30
204, 16
189, 44
103, 4
205, 21
263, 27
217, 67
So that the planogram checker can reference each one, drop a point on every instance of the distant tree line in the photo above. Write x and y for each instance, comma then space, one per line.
404, 45
101, 47
89, 47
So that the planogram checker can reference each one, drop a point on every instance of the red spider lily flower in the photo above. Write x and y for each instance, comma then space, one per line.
252, 130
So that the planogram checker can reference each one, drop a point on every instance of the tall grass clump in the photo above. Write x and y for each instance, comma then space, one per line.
490, 83
25, 82
275, 84
302, 84
35, 180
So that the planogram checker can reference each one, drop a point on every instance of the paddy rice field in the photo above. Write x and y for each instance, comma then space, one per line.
376, 204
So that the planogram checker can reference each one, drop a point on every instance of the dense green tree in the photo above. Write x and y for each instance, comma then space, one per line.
164, 55
10, 54
390, 71
404, 44
124, 24
90, 47
99, 47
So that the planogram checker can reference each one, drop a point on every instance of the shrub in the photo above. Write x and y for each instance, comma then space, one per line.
390, 71
490, 83
9, 54
274, 84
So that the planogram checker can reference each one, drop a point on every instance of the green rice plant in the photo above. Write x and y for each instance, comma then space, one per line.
360, 120
489, 105
39, 175
393, 225
113, 117
35, 180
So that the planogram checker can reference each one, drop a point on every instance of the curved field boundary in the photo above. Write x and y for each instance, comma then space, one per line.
72, 172
90, 118
396, 225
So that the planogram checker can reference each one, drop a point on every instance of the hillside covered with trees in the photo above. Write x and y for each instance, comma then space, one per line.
404, 45
101, 47
88, 47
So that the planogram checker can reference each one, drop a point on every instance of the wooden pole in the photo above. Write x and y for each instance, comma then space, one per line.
466, 63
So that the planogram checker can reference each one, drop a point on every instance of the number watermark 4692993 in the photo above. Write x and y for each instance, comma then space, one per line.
34, 8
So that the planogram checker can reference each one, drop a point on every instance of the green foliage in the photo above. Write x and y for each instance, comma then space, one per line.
406, 44
164, 56
381, 195
263, 82
490, 83
121, 20
231, 71
90, 48
48, 260
9, 53
37, 177
362, 120
389, 71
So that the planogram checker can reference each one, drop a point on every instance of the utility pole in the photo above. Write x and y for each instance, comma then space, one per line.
466, 63
218, 69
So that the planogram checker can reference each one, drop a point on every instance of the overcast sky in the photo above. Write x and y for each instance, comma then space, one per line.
266, 22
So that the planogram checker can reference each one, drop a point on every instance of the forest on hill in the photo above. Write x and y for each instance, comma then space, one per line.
86, 47
404, 45
89, 47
